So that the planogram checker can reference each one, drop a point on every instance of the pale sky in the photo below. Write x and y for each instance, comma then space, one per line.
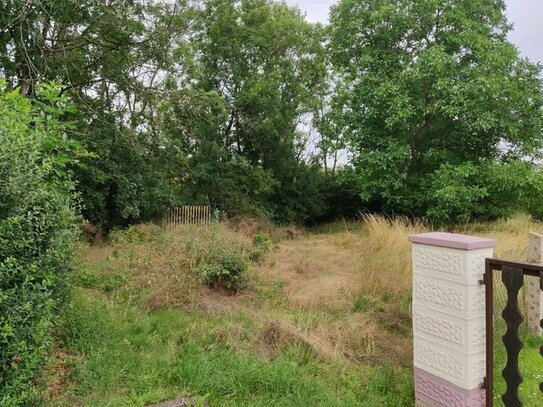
526, 15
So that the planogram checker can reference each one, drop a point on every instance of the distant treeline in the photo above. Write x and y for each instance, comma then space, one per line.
417, 107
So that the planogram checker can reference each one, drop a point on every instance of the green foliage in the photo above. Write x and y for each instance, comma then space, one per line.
432, 84
108, 57
246, 106
147, 358
225, 269
362, 303
106, 282
181, 102
262, 241
258, 69
342, 198
261, 244
113, 282
37, 227
467, 192
388, 387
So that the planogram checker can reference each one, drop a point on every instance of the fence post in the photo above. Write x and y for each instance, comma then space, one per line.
534, 303
449, 319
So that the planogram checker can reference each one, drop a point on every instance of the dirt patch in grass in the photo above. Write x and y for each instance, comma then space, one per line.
57, 374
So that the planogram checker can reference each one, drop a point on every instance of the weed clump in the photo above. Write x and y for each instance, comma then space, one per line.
225, 270
261, 245
170, 268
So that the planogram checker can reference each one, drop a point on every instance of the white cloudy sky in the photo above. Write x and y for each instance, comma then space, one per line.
526, 15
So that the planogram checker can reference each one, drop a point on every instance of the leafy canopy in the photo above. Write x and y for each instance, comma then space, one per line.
257, 68
431, 83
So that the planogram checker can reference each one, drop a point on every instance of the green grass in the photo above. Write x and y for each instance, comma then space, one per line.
531, 368
117, 351
362, 303
124, 357
138, 330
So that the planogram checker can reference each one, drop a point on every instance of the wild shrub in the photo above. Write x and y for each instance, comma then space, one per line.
261, 244
463, 193
261, 240
226, 269
167, 268
37, 229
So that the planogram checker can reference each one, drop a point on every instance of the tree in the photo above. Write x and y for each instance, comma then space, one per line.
431, 83
185, 101
257, 68
111, 57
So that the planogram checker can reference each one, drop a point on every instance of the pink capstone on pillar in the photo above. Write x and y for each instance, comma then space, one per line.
449, 318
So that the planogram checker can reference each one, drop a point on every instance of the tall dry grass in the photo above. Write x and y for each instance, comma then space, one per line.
386, 256
344, 292
249, 227
160, 266
384, 269
347, 340
511, 234
385, 262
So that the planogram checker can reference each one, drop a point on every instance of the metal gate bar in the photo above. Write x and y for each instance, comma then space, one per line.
513, 278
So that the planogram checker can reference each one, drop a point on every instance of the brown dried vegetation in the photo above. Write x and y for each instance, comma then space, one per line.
346, 296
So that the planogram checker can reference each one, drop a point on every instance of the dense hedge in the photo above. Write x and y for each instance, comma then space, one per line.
37, 228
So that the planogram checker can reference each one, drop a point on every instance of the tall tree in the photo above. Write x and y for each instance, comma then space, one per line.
111, 57
432, 83
261, 64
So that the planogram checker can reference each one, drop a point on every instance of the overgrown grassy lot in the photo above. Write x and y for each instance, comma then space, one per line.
324, 321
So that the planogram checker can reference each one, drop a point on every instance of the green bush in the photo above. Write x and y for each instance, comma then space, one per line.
37, 230
261, 244
262, 241
225, 270
483, 191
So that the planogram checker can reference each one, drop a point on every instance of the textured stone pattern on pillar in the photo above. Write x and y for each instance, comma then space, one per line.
534, 310
448, 313
459, 266
448, 320
447, 297
451, 331
534, 300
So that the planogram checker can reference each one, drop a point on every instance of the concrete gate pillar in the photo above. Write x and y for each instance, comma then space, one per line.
534, 303
449, 318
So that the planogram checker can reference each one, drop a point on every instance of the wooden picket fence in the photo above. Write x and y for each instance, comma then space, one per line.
187, 215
